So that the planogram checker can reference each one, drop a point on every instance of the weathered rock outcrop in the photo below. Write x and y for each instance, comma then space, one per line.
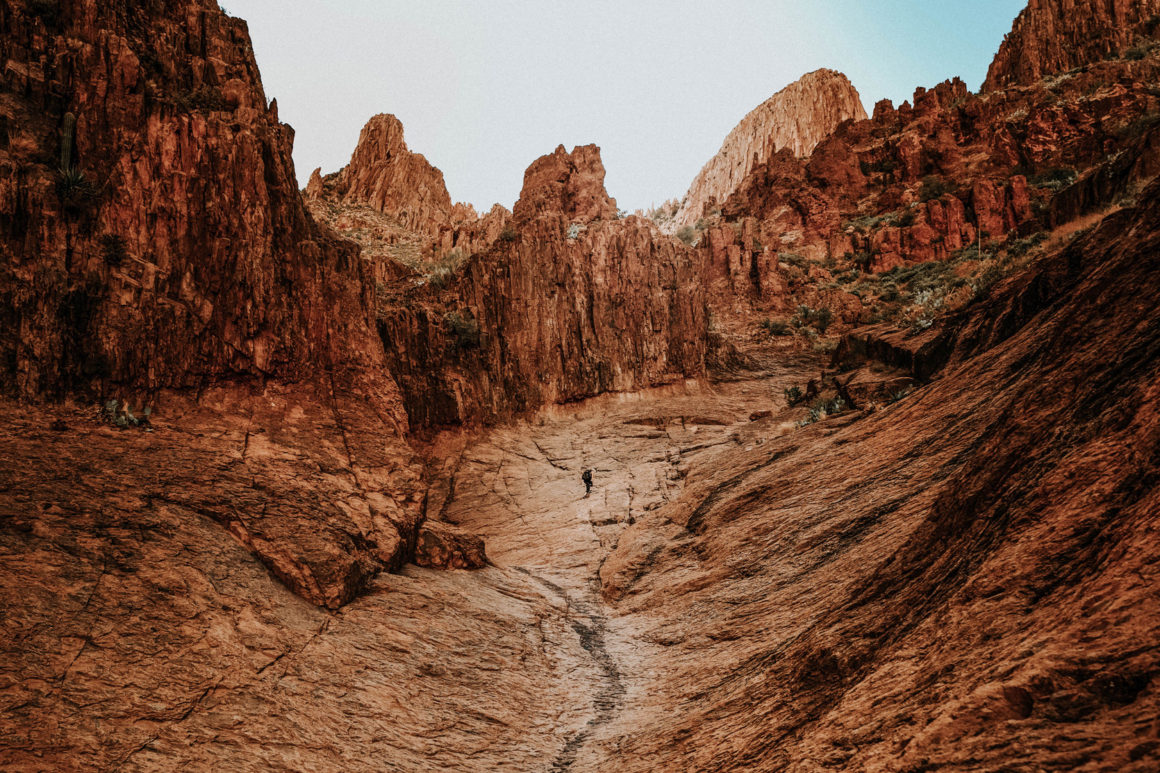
385, 175
566, 184
132, 141
568, 302
155, 253
796, 118
1053, 36
926, 181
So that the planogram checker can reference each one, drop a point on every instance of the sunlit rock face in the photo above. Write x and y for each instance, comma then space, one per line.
796, 119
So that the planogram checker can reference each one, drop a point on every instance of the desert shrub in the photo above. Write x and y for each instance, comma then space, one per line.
793, 396
1017, 248
792, 259
933, 187
204, 97
773, 327
817, 319
900, 395
987, 279
574, 232
464, 330
1136, 53
121, 415
507, 235
442, 273
77, 193
823, 408
1054, 179
665, 212
921, 324
688, 235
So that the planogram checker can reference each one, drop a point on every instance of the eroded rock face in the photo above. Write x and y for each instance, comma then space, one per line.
136, 268
443, 546
385, 175
1053, 36
567, 303
155, 253
797, 118
926, 182
566, 184
977, 576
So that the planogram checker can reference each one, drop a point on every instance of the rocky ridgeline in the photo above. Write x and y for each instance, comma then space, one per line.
926, 180
1053, 36
795, 119
568, 302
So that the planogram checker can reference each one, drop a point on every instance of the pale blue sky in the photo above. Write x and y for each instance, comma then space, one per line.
484, 88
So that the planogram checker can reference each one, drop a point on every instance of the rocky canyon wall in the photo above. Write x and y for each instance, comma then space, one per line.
155, 253
152, 230
567, 303
1053, 36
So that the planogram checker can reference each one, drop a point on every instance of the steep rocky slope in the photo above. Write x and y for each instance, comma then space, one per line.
966, 185
795, 119
1053, 36
966, 579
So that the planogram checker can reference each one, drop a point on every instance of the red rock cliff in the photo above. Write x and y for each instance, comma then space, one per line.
798, 117
155, 250
385, 175
152, 232
568, 302
1052, 36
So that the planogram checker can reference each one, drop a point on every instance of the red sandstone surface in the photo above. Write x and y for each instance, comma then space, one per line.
297, 481
1053, 36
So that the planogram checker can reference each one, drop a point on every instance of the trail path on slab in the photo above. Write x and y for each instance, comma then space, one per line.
521, 488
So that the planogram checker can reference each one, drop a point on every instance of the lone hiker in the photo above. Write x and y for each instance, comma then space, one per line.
587, 478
